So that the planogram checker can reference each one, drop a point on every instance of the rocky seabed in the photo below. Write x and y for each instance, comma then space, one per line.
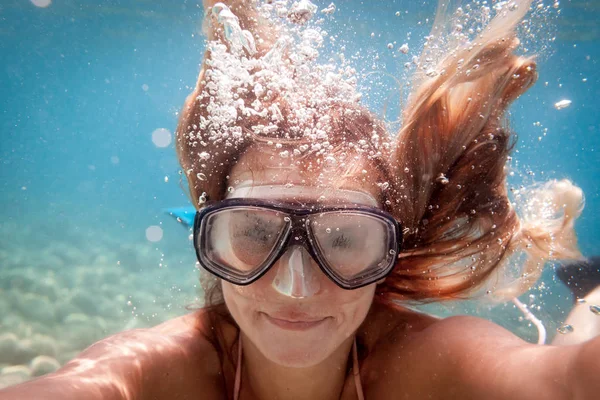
60, 295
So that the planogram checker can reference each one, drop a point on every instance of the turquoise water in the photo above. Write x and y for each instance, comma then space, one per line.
84, 85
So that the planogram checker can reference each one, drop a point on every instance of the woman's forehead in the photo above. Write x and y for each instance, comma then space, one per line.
261, 174
250, 189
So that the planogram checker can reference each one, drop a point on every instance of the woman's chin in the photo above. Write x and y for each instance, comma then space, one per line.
294, 356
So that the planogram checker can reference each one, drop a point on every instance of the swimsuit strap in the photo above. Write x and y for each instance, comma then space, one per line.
238, 371
355, 372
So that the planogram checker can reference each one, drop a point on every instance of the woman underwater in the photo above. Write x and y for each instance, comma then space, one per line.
318, 224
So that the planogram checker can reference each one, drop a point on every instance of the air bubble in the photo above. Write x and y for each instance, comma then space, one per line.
559, 105
204, 156
161, 137
330, 160
201, 176
302, 11
442, 179
403, 49
564, 329
329, 10
328, 230
406, 170
41, 3
154, 233
595, 309
390, 46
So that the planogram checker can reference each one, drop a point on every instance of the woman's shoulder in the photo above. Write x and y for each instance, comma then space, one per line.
427, 357
388, 323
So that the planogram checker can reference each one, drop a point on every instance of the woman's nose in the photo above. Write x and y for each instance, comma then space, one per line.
296, 276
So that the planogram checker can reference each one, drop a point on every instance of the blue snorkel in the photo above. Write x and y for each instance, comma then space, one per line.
183, 215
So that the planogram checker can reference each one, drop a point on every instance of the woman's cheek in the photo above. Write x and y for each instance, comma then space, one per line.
239, 299
355, 308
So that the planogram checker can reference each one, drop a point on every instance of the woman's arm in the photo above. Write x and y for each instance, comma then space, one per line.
107, 370
489, 362
471, 358
172, 360
584, 376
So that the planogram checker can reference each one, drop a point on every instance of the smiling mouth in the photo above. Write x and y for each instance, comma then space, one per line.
294, 325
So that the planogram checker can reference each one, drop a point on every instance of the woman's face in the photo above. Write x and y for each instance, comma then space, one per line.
296, 331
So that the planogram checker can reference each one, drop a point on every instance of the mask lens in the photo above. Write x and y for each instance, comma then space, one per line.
242, 239
353, 244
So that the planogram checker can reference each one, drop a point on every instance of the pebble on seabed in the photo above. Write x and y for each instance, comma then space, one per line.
77, 301
14, 375
9, 342
42, 365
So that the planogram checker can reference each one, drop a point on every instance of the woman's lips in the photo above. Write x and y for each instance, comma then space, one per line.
294, 325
